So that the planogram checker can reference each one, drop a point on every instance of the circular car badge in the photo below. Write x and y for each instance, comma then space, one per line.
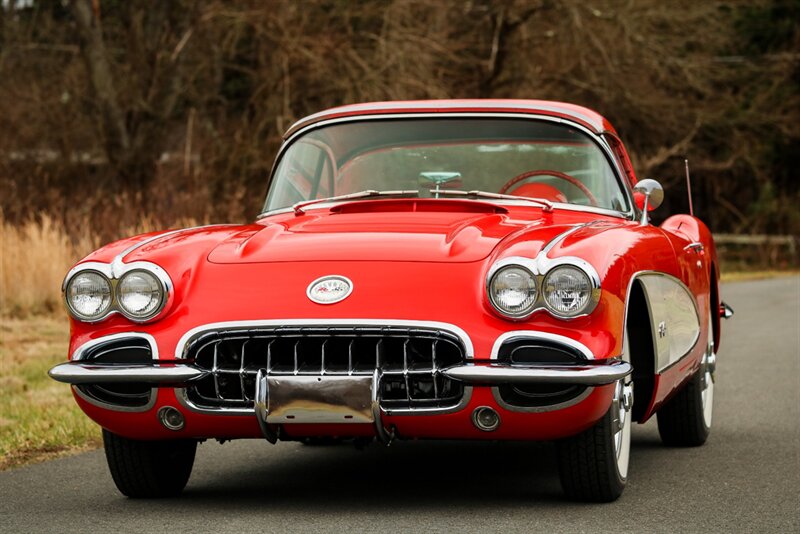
329, 289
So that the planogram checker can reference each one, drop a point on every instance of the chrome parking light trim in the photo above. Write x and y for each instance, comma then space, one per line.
537, 335
81, 351
540, 409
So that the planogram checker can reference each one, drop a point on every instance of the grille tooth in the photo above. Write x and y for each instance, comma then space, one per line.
409, 361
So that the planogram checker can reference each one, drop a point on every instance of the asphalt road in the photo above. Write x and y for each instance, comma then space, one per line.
745, 479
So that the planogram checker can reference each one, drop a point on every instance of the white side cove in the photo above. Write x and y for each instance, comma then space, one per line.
675, 321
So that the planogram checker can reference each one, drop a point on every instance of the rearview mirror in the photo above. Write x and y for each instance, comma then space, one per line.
648, 195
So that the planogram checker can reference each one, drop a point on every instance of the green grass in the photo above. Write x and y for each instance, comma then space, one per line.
39, 419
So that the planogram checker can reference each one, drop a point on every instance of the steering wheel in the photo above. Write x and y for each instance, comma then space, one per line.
546, 172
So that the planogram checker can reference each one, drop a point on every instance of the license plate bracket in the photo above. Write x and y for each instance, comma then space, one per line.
319, 399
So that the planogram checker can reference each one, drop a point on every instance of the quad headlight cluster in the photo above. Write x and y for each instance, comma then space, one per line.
568, 288
93, 291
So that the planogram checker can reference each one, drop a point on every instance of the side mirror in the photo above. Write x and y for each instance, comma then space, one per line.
648, 195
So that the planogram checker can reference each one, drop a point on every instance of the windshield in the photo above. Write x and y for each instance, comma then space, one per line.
521, 157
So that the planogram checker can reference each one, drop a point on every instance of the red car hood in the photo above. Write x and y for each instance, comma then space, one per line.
390, 230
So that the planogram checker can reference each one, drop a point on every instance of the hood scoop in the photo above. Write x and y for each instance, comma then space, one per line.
382, 230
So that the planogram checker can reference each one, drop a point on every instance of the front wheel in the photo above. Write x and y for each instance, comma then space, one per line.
593, 466
149, 469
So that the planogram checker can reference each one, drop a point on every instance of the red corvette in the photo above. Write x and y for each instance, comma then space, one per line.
475, 269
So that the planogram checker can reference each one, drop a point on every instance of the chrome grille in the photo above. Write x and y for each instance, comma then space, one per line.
408, 360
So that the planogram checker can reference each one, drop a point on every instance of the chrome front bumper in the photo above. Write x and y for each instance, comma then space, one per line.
593, 373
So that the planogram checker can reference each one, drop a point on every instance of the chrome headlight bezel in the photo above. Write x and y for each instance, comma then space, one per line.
540, 268
114, 273
594, 290
490, 291
70, 305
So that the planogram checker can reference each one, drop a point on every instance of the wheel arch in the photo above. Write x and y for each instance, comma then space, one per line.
639, 329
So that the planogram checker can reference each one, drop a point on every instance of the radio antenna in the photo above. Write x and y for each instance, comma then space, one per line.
689, 187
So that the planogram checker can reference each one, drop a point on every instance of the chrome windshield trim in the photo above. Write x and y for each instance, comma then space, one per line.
469, 351
546, 336
327, 203
594, 136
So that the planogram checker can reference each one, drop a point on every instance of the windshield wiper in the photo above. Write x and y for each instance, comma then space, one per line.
546, 204
299, 208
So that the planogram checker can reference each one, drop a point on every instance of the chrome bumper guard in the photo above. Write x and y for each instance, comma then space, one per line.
598, 374
77, 373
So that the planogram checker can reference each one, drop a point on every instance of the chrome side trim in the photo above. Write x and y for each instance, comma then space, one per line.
592, 135
76, 373
501, 374
546, 336
663, 294
539, 409
469, 351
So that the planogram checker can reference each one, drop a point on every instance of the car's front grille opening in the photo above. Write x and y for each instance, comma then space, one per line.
409, 362
127, 350
526, 351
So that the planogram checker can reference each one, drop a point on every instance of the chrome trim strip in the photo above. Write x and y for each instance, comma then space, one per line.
546, 336
594, 136
88, 373
583, 375
540, 409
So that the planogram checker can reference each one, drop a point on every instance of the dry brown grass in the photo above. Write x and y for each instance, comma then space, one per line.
34, 257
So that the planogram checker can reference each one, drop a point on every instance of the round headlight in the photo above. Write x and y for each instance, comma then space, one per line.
512, 291
140, 294
88, 295
567, 290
